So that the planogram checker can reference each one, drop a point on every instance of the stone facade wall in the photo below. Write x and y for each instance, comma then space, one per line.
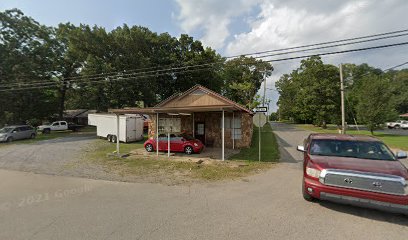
212, 122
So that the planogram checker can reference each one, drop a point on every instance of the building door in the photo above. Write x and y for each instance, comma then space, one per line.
200, 131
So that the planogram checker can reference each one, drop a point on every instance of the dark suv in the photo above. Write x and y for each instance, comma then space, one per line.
17, 132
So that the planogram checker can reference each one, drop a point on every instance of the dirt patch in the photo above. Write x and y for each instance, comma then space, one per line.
141, 166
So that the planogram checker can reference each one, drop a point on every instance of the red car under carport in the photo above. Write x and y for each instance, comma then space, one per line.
178, 143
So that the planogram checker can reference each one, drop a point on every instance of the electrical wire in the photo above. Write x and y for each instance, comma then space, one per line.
256, 53
322, 43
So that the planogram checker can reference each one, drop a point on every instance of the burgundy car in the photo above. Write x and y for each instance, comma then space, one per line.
178, 143
355, 170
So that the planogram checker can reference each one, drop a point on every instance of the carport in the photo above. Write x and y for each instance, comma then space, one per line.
206, 115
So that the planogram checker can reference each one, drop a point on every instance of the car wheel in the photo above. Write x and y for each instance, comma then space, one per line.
188, 150
306, 196
109, 137
32, 135
114, 139
9, 139
46, 131
397, 126
149, 147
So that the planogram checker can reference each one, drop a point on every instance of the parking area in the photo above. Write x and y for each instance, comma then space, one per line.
52, 156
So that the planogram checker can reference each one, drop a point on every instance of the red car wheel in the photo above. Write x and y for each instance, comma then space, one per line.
149, 147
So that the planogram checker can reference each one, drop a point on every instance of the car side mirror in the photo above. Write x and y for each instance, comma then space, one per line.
401, 155
301, 148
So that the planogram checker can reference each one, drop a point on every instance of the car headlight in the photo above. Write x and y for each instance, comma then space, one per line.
195, 144
312, 172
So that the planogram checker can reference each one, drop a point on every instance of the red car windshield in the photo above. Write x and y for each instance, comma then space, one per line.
187, 137
353, 149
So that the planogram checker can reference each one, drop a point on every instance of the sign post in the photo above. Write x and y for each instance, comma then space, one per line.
259, 120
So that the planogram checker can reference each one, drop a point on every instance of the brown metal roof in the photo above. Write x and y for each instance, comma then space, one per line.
187, 103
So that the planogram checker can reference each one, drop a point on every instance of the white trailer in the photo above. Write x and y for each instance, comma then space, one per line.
130, 126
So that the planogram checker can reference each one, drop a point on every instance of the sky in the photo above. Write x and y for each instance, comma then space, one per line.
244, 26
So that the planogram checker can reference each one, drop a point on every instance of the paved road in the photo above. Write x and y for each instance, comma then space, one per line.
289, 137
265, 206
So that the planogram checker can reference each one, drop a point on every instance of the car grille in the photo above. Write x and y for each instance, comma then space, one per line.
366, 181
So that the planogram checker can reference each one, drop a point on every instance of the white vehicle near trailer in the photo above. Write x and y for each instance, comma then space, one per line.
398, 124
58, 126
130, 126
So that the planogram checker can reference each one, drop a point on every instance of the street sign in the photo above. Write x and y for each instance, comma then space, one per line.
261, 109
259, 119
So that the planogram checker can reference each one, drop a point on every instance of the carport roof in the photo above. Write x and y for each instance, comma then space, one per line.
196, 99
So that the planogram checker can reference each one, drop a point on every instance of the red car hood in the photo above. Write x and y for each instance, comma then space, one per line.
363, 165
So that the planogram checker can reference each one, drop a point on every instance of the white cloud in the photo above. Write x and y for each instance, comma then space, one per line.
281, 24
212, 17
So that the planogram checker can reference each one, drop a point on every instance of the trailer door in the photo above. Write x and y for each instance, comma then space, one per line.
131, 129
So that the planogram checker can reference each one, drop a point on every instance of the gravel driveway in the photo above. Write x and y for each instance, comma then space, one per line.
47, 157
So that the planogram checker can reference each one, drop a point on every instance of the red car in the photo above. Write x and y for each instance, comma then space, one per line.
178, 143
355, 170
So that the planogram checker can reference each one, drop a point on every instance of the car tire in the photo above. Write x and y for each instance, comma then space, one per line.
109, 138
32, 136
9, 139
188, 150
149, 147
114, 138
46, 131
397, 126
306, 196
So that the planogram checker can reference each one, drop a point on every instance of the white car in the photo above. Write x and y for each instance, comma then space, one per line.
398, 124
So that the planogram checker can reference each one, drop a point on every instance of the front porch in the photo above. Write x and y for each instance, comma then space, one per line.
207, 116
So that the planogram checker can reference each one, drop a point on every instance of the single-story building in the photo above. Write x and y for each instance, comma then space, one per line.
78, 116
203, 113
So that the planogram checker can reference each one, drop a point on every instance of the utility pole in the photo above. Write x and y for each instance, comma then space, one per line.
343, 117
264, 94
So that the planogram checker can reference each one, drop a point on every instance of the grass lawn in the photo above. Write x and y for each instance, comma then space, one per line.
393, 141
163, 170
269, 147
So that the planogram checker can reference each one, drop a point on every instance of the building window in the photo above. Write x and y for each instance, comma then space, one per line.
236, 128
169, 125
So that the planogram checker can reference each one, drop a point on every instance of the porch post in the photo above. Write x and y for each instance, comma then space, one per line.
223, 136
117, 134
193, 125
233, 130
157, 134
168, 144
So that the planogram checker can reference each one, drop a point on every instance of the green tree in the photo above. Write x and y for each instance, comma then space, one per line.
375, 104
25, 49
243, 77
311, 93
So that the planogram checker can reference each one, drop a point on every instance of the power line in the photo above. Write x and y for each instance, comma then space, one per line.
256, 53
339, 52
331, 46
322, 43
95, 81
273, 60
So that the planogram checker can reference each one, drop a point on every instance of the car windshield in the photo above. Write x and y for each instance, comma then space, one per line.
353, 149
5, 130
187, 137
